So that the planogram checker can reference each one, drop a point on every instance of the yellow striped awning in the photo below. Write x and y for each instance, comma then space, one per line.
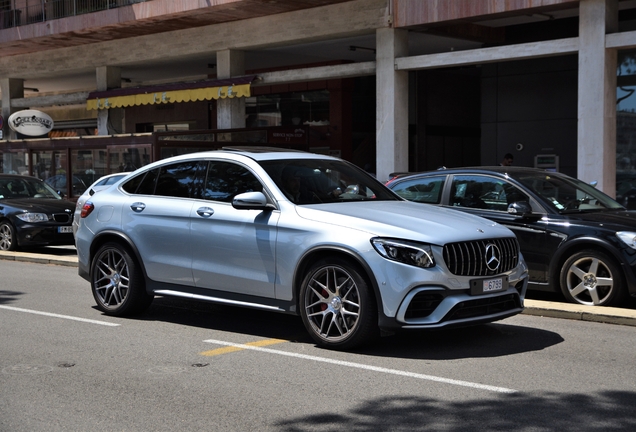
171, 93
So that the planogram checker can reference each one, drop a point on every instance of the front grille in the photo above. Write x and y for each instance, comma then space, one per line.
469, 258
61, 217
483, 307
423, 304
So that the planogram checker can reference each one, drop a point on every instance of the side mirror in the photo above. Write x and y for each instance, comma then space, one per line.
520, 208
251, 201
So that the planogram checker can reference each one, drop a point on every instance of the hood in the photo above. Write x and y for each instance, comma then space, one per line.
39, 205
404, 219
618, 220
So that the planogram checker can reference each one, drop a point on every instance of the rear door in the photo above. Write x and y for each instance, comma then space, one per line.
157, 218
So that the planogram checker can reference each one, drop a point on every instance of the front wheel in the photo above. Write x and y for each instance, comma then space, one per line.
117, 283
592, 278
337, 306
8, 240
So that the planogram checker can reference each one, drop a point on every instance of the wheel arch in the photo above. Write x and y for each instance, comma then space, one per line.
116, 237
321, 252
580, 244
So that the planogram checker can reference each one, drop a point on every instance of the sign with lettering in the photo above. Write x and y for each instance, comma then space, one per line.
31, 122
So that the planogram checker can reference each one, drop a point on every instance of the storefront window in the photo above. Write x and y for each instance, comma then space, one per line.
14, 163
52, 167
626, 128
309, 108
128, 159
87, 166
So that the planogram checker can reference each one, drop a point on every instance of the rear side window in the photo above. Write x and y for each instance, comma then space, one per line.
425, 190
143, 184
182, 180
225, 180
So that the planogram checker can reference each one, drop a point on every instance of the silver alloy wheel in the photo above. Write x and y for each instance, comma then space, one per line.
6, 237
332, 303
111, 281
589, 281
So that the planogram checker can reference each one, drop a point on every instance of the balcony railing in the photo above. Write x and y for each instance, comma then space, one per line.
14, 13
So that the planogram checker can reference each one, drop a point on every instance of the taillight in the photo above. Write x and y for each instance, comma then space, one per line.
87, 209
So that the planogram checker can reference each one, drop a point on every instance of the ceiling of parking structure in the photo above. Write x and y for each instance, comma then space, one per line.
203, 66
138, 20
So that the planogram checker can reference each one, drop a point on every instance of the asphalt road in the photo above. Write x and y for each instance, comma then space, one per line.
64, 366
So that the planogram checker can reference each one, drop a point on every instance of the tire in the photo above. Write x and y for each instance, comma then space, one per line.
8, 240
337, 306
592, 278
117, 282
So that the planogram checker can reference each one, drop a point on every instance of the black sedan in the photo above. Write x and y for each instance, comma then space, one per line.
32, 214
573, 237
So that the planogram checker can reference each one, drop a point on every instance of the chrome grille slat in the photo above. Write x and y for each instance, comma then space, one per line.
468, 258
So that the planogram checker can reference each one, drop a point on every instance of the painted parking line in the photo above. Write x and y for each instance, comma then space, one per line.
229, 349
68, 317
237, 347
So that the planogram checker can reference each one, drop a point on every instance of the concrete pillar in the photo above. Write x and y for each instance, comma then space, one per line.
597, 95
109, 121
230, 113
392, 150
11, 88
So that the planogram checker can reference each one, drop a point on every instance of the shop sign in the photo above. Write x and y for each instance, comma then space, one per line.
31, 122
288, 136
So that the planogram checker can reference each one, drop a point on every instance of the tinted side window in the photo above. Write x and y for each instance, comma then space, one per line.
225, 180
180, 179
142, 184
424, 190
484, 192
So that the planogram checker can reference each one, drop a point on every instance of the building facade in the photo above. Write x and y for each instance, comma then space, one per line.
391, 85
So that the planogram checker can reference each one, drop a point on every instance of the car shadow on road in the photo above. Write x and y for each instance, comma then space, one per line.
607, 411
487, 340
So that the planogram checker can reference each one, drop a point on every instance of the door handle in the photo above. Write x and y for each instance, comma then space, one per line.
205, 212
138, 207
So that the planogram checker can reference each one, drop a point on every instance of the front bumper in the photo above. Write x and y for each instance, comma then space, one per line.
43, 235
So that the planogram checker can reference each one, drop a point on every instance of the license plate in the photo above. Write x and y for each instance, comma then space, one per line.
486, 286
65, 229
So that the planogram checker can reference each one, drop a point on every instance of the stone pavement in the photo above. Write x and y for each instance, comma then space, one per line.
67, 256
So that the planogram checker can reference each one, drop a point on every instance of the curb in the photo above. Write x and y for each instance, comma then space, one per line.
599, 314
70, 261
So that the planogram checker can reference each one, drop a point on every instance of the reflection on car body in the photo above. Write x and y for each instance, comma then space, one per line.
100, 184
344, 253
575, 239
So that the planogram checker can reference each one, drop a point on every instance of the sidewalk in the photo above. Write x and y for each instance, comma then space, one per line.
67, 257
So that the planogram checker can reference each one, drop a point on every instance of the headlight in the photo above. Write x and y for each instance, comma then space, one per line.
33, 217
628, 237
411, 253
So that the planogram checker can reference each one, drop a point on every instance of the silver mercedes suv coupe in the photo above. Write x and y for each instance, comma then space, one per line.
297, 233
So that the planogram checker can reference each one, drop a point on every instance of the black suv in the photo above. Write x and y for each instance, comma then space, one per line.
573, 237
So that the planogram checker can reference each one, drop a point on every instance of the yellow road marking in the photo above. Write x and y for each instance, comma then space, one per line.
229, 349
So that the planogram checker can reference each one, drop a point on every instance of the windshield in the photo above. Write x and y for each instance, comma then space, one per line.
25, 187
567, 195
311, 181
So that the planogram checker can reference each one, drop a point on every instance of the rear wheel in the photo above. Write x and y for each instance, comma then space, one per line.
8, 240
591, 278
337, 306
117, 283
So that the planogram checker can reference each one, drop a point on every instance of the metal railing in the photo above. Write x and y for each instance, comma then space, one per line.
14, 13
